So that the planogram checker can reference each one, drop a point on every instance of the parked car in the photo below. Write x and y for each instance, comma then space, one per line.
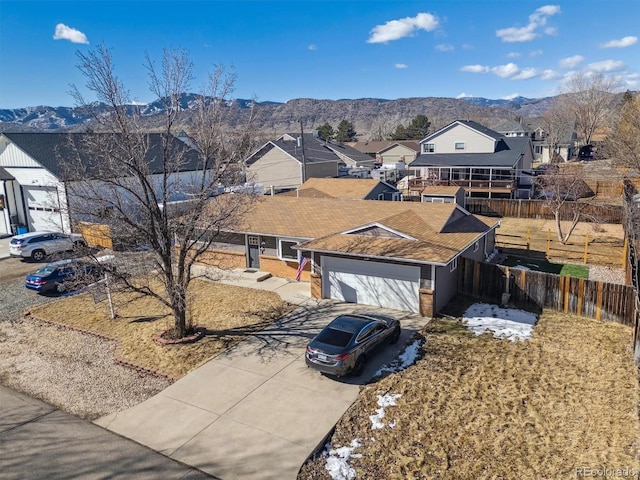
62, 276
341, 348
37, 245
546, 169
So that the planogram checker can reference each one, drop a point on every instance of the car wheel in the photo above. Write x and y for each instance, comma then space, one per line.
358, 368
395, 335
60, 287
37, 255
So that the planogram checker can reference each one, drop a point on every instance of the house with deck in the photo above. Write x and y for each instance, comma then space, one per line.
482, 161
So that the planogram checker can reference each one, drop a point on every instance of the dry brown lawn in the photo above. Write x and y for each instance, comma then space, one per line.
479, 407
605, 241
229, 313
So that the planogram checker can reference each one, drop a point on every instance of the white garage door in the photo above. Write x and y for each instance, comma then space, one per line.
371, 283
42, 208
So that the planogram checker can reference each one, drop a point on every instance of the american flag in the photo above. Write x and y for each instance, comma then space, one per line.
301, 265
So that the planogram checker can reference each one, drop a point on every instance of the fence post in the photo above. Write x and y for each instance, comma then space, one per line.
625, 253
528, 239
586, 248
548, 241
599, 301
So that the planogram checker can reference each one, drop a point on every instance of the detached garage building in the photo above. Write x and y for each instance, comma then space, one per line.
399, 255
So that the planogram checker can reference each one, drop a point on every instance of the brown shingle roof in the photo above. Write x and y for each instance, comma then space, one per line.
354, 188
440, 230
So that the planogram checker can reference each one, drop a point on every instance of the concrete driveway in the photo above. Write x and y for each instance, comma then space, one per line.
256, 411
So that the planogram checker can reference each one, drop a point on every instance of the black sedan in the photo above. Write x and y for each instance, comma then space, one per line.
341, 348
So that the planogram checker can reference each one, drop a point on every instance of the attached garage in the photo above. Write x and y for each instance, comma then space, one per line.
43, 212
380, 284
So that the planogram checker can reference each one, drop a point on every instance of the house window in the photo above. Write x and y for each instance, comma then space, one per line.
381, 196
537, 149
429, 148
476, 246
459, 145
453, 265
286, 251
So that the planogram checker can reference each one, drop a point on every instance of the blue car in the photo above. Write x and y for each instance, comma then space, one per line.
61, 276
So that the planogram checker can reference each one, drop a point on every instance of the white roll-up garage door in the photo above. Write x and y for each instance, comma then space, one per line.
42, 208
371, 283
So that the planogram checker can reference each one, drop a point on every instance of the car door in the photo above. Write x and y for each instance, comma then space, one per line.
61, 242
369, 336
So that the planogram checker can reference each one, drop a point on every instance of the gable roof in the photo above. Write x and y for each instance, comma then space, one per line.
451, 190
354, 188
377, 146
438, 231
314, 151
49, 148
467, 123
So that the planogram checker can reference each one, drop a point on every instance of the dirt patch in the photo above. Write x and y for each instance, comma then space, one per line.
479, 407
228, 313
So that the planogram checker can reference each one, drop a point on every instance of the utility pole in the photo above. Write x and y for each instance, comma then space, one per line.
304, 160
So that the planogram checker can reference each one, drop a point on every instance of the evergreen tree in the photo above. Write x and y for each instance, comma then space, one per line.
400, 133
325, 132
345, 132
418, 128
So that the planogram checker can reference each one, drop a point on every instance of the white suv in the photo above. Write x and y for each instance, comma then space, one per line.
37, 245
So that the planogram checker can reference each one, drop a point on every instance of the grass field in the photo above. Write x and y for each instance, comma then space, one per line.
229, 314
541, 265
475, 407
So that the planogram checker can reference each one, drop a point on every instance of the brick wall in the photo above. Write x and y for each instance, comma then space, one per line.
283, 269
223, 259
426, 302
316, 285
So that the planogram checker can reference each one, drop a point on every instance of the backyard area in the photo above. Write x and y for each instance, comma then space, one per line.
601, 244
476, 406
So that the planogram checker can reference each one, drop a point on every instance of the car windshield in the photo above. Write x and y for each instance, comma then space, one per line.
49, 269
337, 338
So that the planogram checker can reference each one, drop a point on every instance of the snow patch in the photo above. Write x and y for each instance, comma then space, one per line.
338, 461
509, 323
384, 401
407, 358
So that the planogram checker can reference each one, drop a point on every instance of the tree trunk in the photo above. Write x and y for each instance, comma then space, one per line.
556, 214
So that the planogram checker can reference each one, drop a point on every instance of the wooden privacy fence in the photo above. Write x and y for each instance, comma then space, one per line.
522, 208
96, 234
536, 291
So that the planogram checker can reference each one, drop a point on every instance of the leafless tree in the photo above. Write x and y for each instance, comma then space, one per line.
158, 191
565, 194
623, 142
589, 99
557, 126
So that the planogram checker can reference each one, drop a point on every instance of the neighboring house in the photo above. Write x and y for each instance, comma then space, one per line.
34, 193
286, 162
400, 255
542, 149
482, 161
352, 188
389, 152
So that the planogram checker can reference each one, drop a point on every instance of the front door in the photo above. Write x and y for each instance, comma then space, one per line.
254, 252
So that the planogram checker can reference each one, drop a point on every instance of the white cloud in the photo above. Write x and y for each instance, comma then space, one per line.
475, 69
622, 43
465, 95
401, 65
506, 71
536, 53
67, 33
525, 74
468, 46
607, 66
405, 27
571, 62
445, 47
513, 55
511, 97
537, 20
550, 75
551, 31
313, 46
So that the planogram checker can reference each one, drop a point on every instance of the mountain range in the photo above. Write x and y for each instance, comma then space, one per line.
273, 118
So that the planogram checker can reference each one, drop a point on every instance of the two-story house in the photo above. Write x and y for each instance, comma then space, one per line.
482, 161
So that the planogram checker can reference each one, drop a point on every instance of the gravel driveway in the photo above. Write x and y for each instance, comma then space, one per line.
75, 372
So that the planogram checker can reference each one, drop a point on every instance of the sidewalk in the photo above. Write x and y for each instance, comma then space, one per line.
38, 441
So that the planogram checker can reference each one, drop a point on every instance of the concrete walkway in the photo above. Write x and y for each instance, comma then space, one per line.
256, 411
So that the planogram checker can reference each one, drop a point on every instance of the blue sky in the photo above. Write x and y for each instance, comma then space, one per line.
324, 49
